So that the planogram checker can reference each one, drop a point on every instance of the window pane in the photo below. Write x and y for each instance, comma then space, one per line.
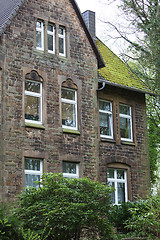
68, 115
39, 24
32, 164
61, 30
38, 39
120, 174
106, 106
32, 86
121, 192
30, 180
68, 94
50, 28
50, 42
105, 124
32, 108
125, 127
69, 167
112, 194
110, 173
124, 109
61, 45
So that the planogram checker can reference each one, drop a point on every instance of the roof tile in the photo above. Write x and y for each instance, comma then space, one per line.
7, 10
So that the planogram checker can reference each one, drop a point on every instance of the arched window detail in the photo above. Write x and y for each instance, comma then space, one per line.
33, 98
118, 179
69, 105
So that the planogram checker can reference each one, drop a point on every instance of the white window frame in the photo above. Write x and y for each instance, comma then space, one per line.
63, 36
41, 30
115, 180
34, 172
38, 95
111, 119
73, 102
71, 175
126, 116
53, 35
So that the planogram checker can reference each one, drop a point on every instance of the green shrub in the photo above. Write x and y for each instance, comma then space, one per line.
119, 214
145, 218
64, 208
10, 226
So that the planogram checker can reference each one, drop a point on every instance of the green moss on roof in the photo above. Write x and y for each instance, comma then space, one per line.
117, 72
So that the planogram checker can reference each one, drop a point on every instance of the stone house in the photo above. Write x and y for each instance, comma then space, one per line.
68, 104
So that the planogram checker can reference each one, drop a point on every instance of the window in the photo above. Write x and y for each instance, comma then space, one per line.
51, 38
61, 36
105, 119
117, 179
125, 122
69, 108
56, 40
33, 171
70, 169
33, 101
39, 35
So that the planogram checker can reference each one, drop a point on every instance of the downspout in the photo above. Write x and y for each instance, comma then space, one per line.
103, 86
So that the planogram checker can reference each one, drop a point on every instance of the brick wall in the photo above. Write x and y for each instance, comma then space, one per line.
134, 155
50, 143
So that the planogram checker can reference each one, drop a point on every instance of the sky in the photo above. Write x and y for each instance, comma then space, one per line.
101, 10
93, 5
104, 12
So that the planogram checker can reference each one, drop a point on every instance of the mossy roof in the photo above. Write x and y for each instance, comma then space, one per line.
116, 72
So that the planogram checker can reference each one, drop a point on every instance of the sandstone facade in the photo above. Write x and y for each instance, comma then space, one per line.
50, 142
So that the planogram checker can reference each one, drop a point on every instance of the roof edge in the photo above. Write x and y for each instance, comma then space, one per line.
126, 87
101, 63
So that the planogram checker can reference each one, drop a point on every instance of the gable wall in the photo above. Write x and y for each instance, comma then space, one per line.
51, 144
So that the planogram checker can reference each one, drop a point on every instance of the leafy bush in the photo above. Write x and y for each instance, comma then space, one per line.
119, 214
145, 217
10, 227
64, 208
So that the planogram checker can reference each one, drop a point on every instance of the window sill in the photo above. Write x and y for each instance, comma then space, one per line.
50, 55
108, 140
65, 130
34, 125
128, 143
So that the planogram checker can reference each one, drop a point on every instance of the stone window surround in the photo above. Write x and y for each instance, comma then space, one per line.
52, 34
72, 158
111, 115
37, 95
116, 120
41, 31
33, 154
43, 77
73, 103
126, 116
133, 128
56, 24
73, 83
70, 175
126, 167
114, 182
34, 172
